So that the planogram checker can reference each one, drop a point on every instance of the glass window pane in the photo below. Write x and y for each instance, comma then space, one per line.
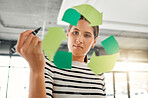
120, 66
18, 61
134, 66
130, 66
109, 85
18, 83
138, 84
4, 60
121, 85
3, 81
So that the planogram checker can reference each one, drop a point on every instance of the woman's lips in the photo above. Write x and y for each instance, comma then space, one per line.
77, 46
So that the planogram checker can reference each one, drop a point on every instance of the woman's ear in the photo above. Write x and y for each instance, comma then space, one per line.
95, 40
67, 34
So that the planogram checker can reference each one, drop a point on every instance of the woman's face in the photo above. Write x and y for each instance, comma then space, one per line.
80, 38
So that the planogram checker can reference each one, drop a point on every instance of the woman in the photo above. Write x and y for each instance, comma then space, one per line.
77, 82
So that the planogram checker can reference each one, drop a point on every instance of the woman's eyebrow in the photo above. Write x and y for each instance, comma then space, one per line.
76, 29
88, 32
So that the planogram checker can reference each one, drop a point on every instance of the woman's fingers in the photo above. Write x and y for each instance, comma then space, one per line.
39, 46
35, 41
28, 41
30, 45
22, 39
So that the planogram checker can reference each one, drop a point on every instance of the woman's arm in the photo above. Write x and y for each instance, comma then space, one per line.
29, 47
37, 85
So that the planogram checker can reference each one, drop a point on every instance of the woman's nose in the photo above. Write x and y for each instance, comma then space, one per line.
79, 40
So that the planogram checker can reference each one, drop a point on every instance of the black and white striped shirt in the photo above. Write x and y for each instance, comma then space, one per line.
77, 82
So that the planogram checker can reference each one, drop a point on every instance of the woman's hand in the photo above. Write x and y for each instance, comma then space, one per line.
29, 47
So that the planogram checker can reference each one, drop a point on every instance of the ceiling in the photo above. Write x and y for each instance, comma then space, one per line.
126, 20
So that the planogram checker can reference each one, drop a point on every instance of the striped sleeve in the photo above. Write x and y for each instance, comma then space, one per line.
48, 79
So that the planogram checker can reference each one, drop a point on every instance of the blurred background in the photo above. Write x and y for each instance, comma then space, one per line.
127, 20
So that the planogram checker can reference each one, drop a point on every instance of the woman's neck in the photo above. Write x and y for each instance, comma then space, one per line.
78, 58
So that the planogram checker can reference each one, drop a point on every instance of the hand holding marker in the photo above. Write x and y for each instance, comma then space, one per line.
13, 49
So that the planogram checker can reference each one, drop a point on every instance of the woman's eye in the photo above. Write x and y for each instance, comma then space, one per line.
76, 32
86, 35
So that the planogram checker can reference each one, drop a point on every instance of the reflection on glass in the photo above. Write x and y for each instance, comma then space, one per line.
109, 85
138, 84
121, 85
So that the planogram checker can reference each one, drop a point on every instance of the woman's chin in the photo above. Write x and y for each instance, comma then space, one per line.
77, 53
